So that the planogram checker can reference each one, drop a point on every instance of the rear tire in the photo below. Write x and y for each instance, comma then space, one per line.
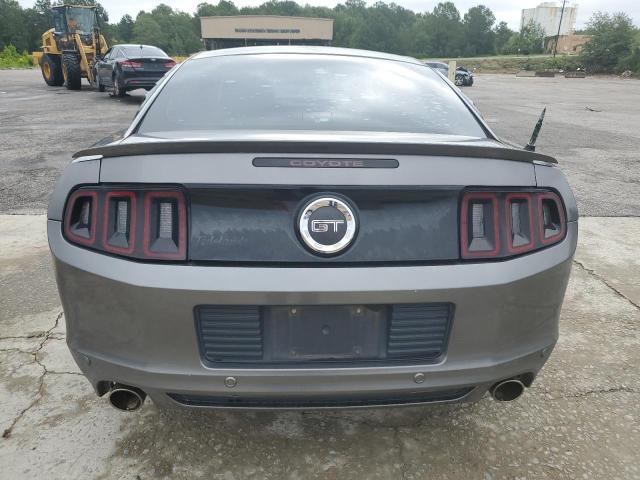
99, 85
51, 70
71, 71
459, 81
117, 90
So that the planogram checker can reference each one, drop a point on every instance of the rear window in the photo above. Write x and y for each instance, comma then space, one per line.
141, 51
308, 92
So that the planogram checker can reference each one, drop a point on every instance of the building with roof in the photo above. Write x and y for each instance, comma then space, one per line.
250, 30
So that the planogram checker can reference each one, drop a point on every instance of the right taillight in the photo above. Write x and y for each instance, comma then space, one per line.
499, 224
551, 219
134, 222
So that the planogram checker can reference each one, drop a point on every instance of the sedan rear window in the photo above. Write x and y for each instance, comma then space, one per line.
141, 51
308, 92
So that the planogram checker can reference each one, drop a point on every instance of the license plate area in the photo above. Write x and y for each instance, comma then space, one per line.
306, 336
325, 332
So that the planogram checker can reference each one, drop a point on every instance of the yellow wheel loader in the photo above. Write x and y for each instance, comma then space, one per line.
71, 47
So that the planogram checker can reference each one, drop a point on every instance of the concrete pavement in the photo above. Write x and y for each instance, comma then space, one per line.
581, 419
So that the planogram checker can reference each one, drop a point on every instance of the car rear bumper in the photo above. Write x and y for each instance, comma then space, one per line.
133, 323
133, 82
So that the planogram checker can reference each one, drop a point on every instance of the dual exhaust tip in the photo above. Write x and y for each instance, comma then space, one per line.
130, 399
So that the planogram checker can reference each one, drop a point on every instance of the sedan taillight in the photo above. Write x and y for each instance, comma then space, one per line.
503, 224
129, 64
137, 223
170, 63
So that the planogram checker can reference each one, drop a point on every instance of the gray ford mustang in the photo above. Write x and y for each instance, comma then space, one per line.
301, 227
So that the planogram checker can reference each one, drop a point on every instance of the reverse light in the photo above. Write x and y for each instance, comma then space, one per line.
119, 222
165, 231
501, 224
519, 222
137, 223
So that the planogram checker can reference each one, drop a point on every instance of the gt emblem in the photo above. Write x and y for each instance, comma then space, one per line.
327, 225
323, 225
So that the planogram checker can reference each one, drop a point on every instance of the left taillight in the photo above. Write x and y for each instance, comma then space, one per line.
147, 224
80, 220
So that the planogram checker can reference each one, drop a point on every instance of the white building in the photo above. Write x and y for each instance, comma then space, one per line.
547, 15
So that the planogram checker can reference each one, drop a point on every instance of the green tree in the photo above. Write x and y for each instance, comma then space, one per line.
223, 8
479, 36
13, 28
176, 32
632, 60
147, 31
502, 35
529, 40
124, 29
611, 42
444, 32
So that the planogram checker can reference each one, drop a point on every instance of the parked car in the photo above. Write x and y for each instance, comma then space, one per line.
284, 227
463, 76
129, 67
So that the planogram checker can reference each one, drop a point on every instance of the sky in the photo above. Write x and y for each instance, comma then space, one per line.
504, 10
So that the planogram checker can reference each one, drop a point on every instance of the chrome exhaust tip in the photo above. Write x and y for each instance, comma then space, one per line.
507, 390
125, 398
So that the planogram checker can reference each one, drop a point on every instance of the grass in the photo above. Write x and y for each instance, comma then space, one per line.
515, 63
10, 58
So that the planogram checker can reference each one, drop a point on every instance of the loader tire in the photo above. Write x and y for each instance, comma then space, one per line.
51, 70
71, 71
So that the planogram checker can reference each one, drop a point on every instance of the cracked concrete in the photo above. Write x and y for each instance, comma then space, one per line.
36, 353
581, 418
619, 269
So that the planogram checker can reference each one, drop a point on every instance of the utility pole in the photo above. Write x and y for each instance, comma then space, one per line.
555, 46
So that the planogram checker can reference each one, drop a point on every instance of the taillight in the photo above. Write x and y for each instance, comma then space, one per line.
138, 223
129, 64
80, 219
501, 224
170, 63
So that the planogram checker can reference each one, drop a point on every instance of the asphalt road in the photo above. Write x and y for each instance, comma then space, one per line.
592, 127
581, 418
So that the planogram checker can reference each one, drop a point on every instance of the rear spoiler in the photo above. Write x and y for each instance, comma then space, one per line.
302, 147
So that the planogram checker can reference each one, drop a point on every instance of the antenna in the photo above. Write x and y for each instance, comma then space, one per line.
531, 146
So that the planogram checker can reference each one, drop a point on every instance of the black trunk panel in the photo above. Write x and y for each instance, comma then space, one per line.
259, 225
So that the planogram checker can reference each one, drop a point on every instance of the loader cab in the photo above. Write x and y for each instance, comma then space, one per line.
67, 19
